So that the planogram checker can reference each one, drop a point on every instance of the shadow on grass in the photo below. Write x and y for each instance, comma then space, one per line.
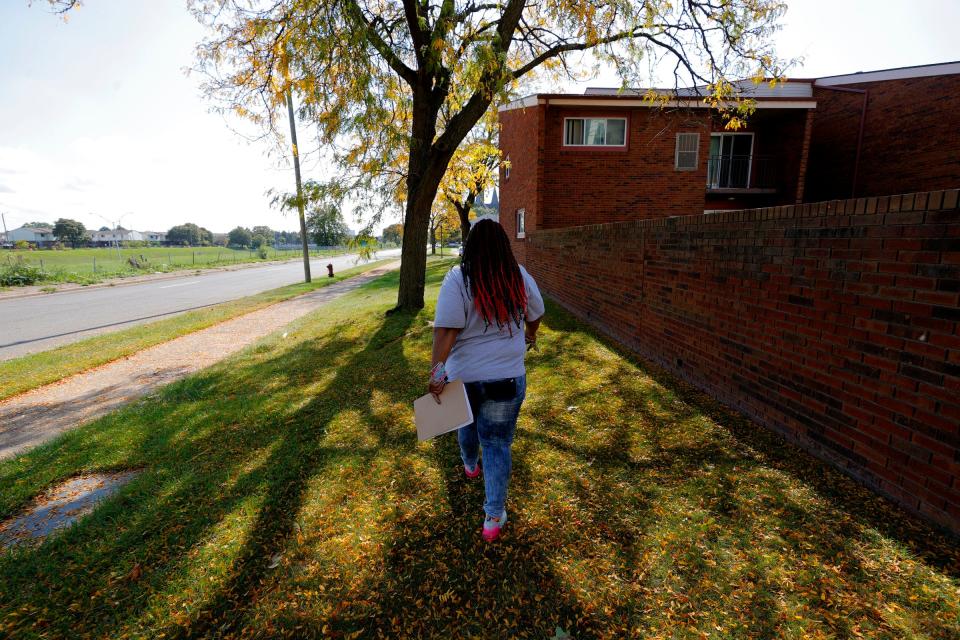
291, 465
251, 438
440, 579
754, 445
209, 447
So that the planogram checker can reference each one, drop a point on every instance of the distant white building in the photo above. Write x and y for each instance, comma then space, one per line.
488, 210
111, 236
159, 237
39, 236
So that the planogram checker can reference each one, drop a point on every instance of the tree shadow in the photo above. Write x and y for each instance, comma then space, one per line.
440, 579
755, 444
299, 457
202, 465
253, 435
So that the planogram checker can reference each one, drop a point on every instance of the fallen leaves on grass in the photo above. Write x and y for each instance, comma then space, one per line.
287, 497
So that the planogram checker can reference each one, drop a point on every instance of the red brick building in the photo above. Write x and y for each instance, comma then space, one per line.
885, 132
610, 156
835, 323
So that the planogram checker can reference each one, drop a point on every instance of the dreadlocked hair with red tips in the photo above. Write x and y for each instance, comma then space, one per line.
492, 276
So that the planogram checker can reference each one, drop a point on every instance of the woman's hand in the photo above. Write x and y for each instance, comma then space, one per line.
436, 388
438, 380
443, 340
531, 340
530, 333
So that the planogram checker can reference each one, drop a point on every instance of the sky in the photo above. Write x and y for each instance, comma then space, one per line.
99, 121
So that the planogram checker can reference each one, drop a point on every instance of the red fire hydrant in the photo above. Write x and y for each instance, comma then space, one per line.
330, 270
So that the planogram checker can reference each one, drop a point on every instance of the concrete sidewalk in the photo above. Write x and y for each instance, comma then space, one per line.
39, 415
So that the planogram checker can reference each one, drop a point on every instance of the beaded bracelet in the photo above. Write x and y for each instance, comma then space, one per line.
438, 373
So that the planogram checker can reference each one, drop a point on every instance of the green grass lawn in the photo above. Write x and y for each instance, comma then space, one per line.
284, 494
32, 371
77, 265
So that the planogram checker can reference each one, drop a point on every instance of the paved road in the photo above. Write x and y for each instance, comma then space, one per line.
38, 323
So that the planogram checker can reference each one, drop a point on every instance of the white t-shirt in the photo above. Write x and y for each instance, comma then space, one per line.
483, 352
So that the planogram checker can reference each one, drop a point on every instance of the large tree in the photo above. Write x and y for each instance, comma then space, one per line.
71, 231
473, 168
444, 221
326, 226
393, 233
240, 237
357, 66
189, 234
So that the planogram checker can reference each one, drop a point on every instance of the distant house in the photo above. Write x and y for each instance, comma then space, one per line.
155, 237
112, 236
37, 236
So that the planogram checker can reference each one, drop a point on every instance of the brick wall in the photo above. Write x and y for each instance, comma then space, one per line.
909, 138
834, 323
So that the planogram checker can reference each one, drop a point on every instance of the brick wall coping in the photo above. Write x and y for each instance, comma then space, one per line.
922, 201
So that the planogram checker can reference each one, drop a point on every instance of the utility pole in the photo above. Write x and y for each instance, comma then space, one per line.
6, 234
296, 171
116, 242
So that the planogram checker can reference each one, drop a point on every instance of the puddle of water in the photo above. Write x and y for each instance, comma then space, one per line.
61, 506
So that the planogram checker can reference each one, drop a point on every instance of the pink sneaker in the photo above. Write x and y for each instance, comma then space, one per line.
492, 528
471, 474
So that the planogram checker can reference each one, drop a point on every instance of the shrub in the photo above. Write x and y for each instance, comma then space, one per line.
262, 252
19, 274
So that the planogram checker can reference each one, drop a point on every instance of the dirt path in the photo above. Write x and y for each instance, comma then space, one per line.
41, 414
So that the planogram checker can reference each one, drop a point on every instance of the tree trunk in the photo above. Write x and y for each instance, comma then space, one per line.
433, 241
463, 210
427, 163
416, 227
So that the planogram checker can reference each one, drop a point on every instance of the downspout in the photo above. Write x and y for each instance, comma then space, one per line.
863, 120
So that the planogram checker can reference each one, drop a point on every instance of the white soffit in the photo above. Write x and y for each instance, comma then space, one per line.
689, 104
520, 103
746, 88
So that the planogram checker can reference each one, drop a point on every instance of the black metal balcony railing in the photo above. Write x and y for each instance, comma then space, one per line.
741, 172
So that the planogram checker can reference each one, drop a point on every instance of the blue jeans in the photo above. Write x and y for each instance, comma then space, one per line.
496, 406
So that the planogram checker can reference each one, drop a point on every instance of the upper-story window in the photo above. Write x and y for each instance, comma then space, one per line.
506, 168
687, 153
595, 132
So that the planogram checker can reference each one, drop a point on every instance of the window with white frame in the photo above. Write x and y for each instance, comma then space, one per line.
595, 132
506, 168
686, 157
520, 223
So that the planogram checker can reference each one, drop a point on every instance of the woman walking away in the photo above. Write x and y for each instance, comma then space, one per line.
488, 313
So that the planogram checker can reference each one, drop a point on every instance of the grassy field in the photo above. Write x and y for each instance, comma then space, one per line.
85, 266
22, 374
284, 494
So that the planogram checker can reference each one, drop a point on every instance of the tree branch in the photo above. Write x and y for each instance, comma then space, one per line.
405, 72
